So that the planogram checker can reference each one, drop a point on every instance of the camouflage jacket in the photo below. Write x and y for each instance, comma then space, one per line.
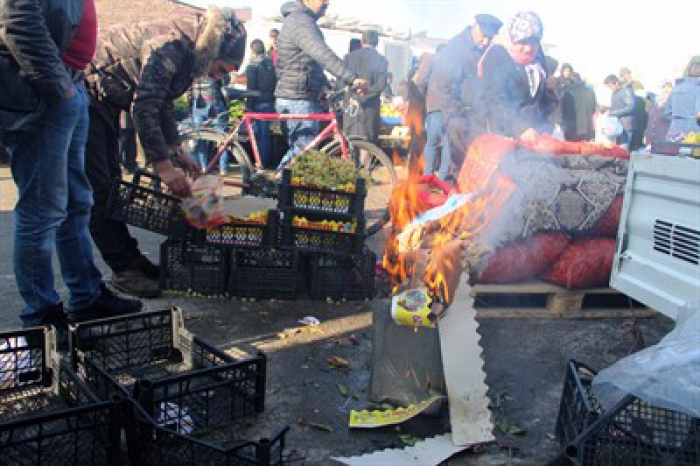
145, 66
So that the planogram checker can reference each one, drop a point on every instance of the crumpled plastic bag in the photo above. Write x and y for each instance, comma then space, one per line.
205, 209
666, 375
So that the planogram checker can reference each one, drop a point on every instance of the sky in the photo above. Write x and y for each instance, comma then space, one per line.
654, 38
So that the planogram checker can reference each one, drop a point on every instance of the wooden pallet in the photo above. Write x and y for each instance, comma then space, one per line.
543, 300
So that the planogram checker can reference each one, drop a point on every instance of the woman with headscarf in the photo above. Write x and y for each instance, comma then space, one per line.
683, 105
516, 95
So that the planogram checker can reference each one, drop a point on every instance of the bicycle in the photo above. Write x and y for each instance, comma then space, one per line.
255, 180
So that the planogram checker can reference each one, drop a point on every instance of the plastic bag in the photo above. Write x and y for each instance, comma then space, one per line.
666, 375
609, 126
205, 209
406, 363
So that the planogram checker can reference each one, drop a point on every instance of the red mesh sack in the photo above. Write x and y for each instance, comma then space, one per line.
546, 144
525, 259
608, 223
585, 263
483, 158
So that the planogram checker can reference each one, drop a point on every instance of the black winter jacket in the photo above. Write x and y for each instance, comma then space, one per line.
34, 34
456, 82
261, 77
303, 55
511, 107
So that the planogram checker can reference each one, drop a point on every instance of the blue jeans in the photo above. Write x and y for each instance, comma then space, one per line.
262, 132
53, 210
299, 132
205, 150
435, 134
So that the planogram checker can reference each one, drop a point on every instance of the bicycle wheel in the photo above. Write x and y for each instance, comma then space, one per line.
381, 183
240, 168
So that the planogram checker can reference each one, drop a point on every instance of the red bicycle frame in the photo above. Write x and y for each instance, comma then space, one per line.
248, 118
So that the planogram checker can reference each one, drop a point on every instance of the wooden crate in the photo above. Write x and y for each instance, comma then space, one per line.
540, 299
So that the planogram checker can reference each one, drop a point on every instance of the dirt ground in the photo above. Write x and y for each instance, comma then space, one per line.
524, 361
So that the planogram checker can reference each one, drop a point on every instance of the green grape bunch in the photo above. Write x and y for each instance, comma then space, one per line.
316, 168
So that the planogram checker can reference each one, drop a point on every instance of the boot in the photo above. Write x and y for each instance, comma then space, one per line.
136, 283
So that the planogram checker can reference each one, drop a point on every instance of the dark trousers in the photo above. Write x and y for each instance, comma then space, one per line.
128, 149
118, 248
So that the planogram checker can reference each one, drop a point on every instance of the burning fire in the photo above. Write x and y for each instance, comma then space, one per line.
445, 246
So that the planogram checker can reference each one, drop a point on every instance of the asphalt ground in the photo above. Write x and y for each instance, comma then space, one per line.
524, 359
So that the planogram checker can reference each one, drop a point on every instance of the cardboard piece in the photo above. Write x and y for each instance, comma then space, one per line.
464, 373
426, 452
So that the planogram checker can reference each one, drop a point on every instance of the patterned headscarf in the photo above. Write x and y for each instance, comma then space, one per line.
525, 25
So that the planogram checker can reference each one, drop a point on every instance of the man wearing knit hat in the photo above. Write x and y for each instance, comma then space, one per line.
455, 91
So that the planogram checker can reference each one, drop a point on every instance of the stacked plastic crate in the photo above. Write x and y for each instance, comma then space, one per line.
327, 227
184, 401
314, 242
48, 415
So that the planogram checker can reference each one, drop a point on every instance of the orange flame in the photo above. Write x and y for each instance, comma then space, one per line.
448, 237
456, 232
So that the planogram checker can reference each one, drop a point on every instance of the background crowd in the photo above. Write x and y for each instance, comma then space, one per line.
74, 108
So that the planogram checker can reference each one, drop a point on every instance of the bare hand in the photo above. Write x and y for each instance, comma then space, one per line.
176, 180
529, 134
189, 165
360, 85
185, 162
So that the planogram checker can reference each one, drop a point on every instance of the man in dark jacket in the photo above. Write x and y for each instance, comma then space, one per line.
578, 104
303, 55
622, 106
144, 67
44, 48
372, 67
261, 77
458, 87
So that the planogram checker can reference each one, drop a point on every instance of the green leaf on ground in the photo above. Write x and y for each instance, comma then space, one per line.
409, 440
343, 390
498, 398
319, 426
509, 428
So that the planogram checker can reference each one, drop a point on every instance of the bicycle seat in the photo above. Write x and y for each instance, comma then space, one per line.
233, 93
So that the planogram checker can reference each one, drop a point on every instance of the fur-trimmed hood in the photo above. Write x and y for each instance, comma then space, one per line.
218, 23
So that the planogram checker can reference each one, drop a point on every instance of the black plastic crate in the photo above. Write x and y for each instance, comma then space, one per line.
185, 393
160, 446
330, 203
342, 277
183, 382
47, 414
241, 234
193, 268
141, 203
322, 241
265, 273
632, 433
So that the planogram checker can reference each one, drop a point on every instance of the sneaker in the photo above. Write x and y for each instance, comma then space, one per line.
107, 305
148, 268
136, 283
